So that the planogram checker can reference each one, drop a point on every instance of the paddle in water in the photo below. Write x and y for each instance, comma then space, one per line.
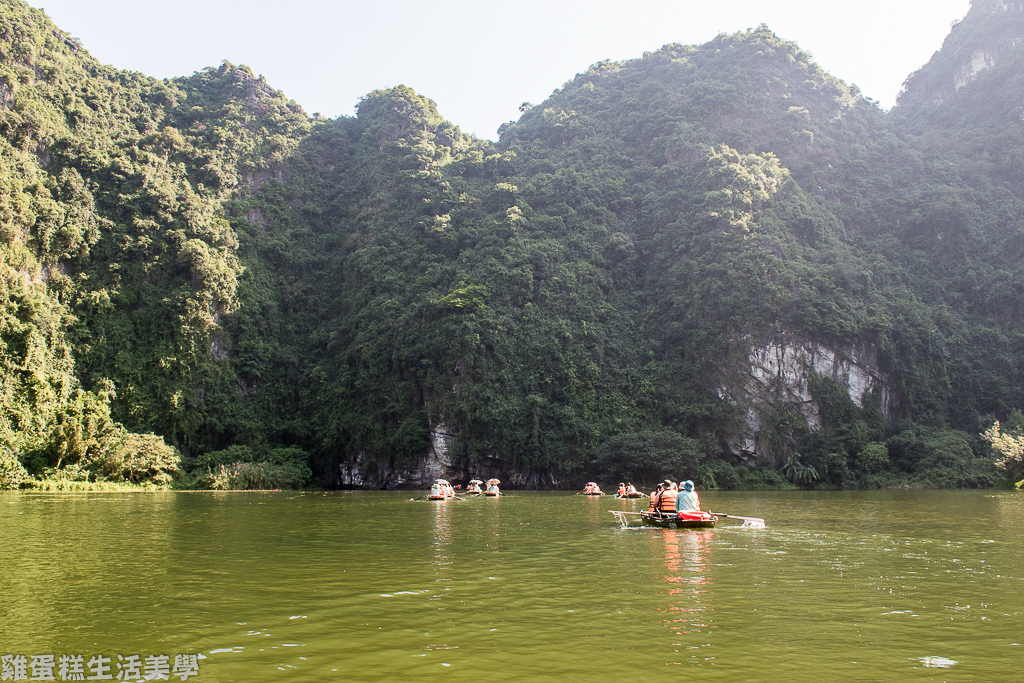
749, 522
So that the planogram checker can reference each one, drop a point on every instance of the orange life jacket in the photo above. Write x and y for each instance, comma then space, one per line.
668, 501
655, 498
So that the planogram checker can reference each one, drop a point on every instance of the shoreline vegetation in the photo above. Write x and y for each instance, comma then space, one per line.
51, 486
286, 471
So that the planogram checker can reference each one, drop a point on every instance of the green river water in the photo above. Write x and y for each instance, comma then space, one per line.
876, 585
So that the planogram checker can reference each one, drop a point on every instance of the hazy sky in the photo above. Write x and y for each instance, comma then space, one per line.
480, 59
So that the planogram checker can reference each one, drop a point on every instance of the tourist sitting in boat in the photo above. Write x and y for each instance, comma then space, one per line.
667, 503
687, 498
441, 490
492, 487
474, 487
688, 506
656, 498
622, 490
631, 490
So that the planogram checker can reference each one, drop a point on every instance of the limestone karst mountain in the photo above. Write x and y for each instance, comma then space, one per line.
719, 252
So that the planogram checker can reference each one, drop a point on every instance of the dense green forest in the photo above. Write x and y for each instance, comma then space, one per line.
204, 286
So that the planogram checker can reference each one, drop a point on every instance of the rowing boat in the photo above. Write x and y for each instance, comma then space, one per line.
441, 490
683, 520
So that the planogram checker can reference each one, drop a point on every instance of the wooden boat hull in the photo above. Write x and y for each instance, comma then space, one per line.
674, 522
632, 495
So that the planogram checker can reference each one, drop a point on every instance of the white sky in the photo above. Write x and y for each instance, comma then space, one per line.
480, 59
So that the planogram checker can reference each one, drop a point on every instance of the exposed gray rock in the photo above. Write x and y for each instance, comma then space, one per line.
778, 375
439, 463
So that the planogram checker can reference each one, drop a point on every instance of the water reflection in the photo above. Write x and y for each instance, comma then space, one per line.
689, 591
595, 511
442, 524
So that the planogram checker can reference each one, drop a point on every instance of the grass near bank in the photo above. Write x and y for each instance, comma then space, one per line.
65, 485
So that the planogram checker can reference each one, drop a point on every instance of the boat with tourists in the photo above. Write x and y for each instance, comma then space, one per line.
591, 489
492, 488
629, 491
691, 519
687, 519
473, 487
441, 490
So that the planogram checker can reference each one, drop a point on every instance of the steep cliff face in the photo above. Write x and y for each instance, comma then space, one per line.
774, 380
439, 462
435, 464
777, 380
987, 38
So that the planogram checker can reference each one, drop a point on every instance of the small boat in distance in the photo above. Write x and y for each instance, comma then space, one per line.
492, 488
441, 490
629, 491
591, 489
473, 487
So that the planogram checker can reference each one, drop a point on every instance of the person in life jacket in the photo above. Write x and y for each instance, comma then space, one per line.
656, 498
622, 489
687, 499
630, 490
667, 504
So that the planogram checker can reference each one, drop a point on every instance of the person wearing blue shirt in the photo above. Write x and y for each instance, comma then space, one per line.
687, 499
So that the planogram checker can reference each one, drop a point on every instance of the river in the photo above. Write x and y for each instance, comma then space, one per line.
363, 586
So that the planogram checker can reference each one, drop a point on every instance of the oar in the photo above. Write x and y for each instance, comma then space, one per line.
755, 522
620, 515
